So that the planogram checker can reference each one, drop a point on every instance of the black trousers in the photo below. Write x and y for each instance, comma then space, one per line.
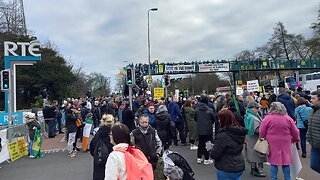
202, 151
180, 128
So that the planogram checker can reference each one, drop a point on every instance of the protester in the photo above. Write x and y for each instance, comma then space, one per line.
71, 129
96, 111
33, 125
49, 114
205, 118
122, 163
286, 99
146, 138
86, 132
163, 126
313, 134
116, 165
102, 136
302, 113
280, 131
128, 117
192, 125
227, 147
150, 111
176, 117
252, 122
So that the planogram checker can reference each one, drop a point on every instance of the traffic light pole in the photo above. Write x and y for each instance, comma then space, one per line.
130, 96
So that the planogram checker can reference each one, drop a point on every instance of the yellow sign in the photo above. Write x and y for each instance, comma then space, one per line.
158, 93
17, 149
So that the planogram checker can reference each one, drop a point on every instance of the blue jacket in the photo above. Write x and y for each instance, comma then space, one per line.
151, 116
175, 112
288, 102
302, 113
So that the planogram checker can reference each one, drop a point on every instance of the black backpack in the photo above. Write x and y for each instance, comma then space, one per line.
101, 153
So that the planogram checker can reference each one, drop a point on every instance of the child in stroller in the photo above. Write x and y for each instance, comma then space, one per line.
176, 167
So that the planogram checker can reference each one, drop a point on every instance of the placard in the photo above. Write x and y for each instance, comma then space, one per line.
17, 149
4, 153
253, 86
158, 93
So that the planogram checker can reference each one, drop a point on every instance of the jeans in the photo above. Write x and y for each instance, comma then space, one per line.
30, 148
51, 132
303, 140
71, 140
285, 170
59, 122
202, 151
223, 175
315, 159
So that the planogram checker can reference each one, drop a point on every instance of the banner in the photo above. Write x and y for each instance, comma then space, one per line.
4, 153
214, 67
179, 68
253, 86
158, 93
17, 149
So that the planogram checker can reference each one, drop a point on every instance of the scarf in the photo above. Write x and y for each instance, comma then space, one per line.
249, 121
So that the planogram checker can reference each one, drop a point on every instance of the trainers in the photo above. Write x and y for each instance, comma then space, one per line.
207, 162
31, 156
199, 160
193, 147
303, 155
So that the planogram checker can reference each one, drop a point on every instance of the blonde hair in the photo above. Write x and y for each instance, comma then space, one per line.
107, 120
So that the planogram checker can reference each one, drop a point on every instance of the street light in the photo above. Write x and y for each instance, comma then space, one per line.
152, 9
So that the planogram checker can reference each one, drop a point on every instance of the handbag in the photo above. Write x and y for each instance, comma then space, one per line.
262, 146
79, 123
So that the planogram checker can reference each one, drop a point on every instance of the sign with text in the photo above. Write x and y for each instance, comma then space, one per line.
179, 68
239, 91
214, 67
253, 86
17, 149
11, 48
158, 93
17, 118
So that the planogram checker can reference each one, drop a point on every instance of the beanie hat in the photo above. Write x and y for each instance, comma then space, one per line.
162, 108
89, 115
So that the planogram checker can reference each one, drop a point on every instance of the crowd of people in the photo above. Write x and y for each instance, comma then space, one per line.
222, 129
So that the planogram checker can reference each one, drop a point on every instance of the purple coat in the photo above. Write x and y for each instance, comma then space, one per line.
280, 131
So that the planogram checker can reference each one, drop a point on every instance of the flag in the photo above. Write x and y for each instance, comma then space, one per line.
235, 102
37, 144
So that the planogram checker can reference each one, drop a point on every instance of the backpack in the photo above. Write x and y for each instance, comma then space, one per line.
101, 153
138, 166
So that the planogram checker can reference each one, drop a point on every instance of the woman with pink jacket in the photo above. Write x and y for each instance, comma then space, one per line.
280, 131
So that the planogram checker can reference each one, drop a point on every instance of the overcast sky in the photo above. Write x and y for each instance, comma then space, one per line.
102, 34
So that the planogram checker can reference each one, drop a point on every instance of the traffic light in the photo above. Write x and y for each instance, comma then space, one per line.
129, 76
5, 80
166, 80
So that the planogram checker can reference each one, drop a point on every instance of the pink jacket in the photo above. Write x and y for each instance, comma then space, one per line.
280, 131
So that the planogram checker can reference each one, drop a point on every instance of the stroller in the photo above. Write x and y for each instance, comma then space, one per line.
176, 167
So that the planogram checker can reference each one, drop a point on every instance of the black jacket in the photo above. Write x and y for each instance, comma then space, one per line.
71, 121
128, 118
104, 109
103, 133
205, 118
31, 125
49, 112
163, 127
227, 148
84, 111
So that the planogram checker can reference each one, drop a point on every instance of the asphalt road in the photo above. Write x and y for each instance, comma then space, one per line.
58, 166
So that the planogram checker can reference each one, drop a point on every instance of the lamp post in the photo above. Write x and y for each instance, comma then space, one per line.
152, 9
